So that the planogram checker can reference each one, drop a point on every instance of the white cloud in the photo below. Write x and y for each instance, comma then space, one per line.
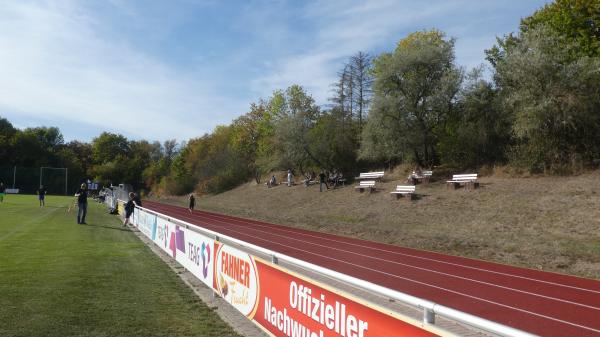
342, 29
53, 64
61, 60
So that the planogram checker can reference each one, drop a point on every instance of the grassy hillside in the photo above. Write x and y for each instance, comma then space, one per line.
58, 278
549, 223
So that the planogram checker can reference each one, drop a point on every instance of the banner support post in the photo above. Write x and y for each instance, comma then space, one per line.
428, 316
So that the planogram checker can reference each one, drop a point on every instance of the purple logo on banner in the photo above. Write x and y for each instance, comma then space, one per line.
180, 239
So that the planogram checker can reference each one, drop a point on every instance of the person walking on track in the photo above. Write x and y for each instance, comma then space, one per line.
192, 203
82, 195
42, 195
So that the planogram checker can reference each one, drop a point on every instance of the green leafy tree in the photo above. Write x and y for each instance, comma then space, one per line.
334, 142
577, 21
7, 132
108, 146
554, 98
478, 131
414, 93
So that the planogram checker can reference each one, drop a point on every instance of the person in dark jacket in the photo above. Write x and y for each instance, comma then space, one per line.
137, 200
82, 195
192, 203
2, 191
129, 207
42, 195
322, 180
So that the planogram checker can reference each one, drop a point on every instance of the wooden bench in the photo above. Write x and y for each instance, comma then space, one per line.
408, 191
366, 184
371, 176
468, 180
423, 178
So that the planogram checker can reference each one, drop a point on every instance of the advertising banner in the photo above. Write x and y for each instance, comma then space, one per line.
280, 301
286, 304
165, 236
236, 279
195, 253
191, 249
295, 306
145, 222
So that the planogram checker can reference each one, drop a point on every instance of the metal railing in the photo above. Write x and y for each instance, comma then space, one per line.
430, 309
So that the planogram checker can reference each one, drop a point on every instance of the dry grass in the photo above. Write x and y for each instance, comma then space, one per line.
549, 223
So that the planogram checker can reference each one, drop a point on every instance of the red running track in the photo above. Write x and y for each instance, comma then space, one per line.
538, 302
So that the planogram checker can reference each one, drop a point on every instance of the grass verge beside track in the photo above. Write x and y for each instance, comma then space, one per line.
58, 278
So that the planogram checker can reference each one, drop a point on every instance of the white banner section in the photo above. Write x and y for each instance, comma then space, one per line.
192, 250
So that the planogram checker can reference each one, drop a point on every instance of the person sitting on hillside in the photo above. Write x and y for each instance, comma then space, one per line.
416, 173
308, 178
272, 182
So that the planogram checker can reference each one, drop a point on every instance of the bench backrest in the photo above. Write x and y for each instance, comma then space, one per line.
367, 183
407, 188
372, 174
464, 177
427, 173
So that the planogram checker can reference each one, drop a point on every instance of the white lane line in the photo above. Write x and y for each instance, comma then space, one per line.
277, 227
424, 269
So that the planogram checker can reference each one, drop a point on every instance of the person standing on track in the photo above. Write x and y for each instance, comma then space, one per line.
2, 191
192, 203
42, 195
81, 204
129, 207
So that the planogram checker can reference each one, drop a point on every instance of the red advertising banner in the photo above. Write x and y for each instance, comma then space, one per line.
286, 304
294, 306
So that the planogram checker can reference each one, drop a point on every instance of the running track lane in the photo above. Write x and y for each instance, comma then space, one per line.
542, 303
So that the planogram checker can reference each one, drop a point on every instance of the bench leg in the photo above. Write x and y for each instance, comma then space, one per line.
397, 196
410, 197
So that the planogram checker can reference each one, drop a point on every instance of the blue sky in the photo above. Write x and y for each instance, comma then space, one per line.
175, 69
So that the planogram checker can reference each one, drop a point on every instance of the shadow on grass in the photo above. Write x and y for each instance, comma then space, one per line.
120, 228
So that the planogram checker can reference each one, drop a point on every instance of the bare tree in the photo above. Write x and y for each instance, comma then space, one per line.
360, 65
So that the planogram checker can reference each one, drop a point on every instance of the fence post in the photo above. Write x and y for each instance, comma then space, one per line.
428, 316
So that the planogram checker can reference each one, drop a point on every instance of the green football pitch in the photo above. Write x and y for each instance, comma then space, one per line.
58, 278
